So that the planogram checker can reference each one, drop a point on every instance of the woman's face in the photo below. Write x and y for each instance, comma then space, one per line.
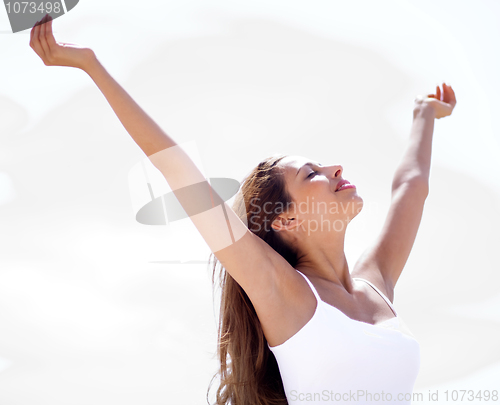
314, 190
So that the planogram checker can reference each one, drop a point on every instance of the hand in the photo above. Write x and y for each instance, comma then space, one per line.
54, 53
443, 102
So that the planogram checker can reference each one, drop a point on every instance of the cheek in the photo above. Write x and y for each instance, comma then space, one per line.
325, 202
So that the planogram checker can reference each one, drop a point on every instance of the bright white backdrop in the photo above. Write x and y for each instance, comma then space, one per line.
91, 310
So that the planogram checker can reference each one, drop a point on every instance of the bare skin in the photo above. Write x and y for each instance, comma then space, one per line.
281, 297
321, 252
320, 219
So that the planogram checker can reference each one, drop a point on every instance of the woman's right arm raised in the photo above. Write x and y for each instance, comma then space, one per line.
249, 260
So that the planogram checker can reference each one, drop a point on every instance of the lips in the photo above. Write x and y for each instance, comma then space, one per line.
341, 183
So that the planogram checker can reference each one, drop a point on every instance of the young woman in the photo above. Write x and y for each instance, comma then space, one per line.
296, 326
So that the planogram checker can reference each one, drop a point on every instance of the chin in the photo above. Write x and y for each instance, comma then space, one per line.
357, 204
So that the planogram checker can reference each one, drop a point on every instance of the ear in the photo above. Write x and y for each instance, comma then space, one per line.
285, 224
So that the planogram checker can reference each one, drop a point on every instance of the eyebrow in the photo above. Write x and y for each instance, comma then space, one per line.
305, 164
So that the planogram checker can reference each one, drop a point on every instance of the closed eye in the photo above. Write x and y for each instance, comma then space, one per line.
311, 174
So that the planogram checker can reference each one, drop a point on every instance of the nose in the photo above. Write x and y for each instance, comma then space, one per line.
337, 170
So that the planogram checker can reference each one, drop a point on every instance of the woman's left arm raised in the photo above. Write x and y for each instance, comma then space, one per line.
410, 187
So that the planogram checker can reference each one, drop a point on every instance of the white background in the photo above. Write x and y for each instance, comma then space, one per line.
90, 310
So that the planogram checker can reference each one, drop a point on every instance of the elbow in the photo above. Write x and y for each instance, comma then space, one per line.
422, 185
417, 184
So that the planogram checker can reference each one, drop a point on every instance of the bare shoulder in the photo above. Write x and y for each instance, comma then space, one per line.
281, 297
374, 275
288, 309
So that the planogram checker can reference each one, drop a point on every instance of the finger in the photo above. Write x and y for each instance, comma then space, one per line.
438, 93
446, 93
31, 35
452, 97
43, 39
36, 42
51, 41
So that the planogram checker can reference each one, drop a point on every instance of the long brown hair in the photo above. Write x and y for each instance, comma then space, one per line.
249, 373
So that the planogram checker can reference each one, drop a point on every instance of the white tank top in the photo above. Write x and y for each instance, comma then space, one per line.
336, 359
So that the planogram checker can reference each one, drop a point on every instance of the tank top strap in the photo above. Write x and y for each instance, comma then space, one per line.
380, 293
312, 288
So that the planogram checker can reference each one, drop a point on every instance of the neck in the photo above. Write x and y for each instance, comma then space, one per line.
324, 258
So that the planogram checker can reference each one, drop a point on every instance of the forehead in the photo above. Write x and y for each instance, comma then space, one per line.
291, 164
